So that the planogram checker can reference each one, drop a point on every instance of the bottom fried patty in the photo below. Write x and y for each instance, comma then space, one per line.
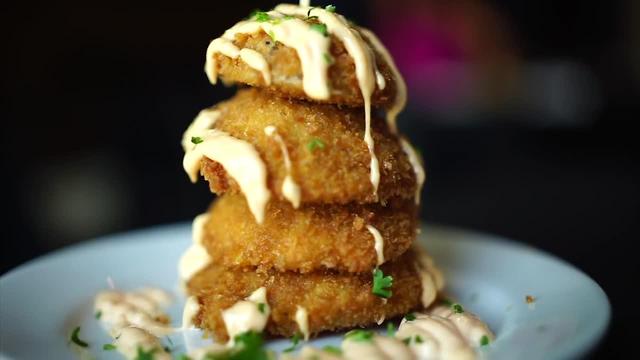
333, 301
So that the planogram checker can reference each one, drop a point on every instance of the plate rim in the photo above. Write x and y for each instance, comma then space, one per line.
143, 234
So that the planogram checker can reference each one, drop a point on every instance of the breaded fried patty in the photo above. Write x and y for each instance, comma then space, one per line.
286, 71
313, 237
333, 301
329, 159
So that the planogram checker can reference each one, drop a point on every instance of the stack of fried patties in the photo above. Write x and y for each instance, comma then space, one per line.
319, 255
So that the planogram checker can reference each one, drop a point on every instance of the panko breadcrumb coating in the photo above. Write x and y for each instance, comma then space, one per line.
313, 237
330, 161
333, 301
286, 71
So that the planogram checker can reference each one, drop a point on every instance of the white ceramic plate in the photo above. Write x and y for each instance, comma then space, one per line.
43, 300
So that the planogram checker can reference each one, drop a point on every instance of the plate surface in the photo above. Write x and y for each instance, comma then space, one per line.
43, 300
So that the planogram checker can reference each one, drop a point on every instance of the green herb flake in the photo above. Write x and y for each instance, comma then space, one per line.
332, 350
142, 354
288, 17
330, 8
457, 308
359, 335
382, 284
321, 28
410, 316
196, 140
295, 340
391, 329
108, 347
418, 339
75, 338
327, 58
261, 16
407, 340
262, 307
484, 340
314, 144
272, 35
98, 314
184, 357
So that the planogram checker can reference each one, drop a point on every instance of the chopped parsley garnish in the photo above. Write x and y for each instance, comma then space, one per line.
382, 284
391, 329
359, 335
484, 340
321, 28
410, 316
330, 8
184, 357
262, 307
417, 339
98, 314
108, 347
288, 17
327, 58
332, 350
196, 140
248, 345
261, 16
142, 354
315, 143
457, 308
75, 338
295, 340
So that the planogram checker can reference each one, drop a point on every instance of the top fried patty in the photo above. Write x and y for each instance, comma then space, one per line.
286, 71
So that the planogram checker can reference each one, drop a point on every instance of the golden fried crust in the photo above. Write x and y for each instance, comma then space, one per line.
313, 237
338, 173
333, 301
286, 71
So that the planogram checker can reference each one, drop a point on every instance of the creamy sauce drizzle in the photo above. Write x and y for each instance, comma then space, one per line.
290, 188
312, 48
247, 314
302, 319
196, 257
378, 244
239, 158
254, 59
191, 309
416, 163
135, 319
430, 276
401, 87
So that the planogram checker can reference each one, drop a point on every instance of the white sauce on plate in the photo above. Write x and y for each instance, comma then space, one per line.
135, 319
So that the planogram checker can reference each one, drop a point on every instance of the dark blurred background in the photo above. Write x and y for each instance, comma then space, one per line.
525, 112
